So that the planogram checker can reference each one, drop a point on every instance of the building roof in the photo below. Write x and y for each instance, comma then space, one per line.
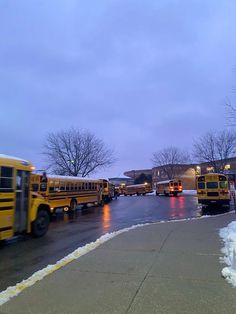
120, 178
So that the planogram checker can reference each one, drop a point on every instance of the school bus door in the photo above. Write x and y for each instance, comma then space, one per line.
22, 200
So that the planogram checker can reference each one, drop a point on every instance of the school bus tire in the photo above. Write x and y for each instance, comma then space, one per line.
41, 223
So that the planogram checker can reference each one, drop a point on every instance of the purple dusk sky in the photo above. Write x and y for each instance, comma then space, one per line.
141, 75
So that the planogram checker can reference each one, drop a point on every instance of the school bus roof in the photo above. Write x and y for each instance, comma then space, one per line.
213, 173
137, 185
16, 162
168, 181
51, 176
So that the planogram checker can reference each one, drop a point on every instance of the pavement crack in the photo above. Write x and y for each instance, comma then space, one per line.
164, 241
148, 271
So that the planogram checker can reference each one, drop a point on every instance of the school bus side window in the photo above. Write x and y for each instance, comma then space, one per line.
62, 186
51, 186
223, 185
43, 187
35, 187
6, 179
201, 185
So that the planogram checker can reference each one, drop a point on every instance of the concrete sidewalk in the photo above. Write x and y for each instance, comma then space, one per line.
168, 267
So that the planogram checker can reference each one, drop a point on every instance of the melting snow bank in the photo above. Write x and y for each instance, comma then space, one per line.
228, 234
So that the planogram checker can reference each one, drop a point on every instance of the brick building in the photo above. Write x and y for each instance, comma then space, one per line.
229, 168
121, 180
187, 172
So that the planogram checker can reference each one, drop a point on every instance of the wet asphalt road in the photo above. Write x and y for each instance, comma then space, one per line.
22, 256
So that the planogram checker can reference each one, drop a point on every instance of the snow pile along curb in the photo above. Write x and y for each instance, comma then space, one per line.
228, 234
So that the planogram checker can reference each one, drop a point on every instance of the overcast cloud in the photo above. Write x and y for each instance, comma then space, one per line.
141, 75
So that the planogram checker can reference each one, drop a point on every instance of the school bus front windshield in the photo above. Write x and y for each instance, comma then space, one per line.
212, 185
213, 189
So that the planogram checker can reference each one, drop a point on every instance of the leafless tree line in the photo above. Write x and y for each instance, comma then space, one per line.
213, 147
230, 113
76, 153
81, 153
171, 160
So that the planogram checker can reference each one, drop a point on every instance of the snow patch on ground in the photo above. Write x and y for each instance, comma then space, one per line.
228, 234
185, 192
190, 192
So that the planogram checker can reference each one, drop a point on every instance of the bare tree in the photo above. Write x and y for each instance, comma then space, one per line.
230, 113
76, 153
171, 160
215, 148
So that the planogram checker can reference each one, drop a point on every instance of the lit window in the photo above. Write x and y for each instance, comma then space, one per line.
210, 169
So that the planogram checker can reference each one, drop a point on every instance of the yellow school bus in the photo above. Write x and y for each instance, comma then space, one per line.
138, 189
169, 187
213, 190
108, 190
21, 210
66, 191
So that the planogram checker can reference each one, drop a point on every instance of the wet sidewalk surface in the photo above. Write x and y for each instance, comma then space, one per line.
168, 267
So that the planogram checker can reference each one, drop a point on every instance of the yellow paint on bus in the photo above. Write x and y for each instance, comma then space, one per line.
20, 209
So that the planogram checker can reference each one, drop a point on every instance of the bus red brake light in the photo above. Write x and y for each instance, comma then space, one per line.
223, 192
